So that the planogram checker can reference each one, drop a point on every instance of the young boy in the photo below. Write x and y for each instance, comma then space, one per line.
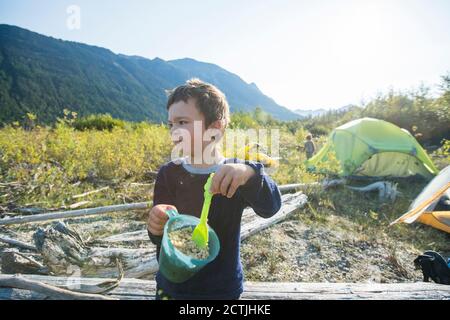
179, 185
310, 147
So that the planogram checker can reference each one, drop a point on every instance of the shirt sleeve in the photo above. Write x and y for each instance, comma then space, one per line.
260, 192
161, 195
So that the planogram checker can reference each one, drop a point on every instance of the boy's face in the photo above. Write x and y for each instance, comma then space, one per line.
186, 122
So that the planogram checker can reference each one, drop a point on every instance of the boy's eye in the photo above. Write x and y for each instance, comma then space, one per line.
180, 122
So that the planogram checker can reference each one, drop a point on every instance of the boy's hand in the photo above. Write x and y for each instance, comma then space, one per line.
229, 177
157, 218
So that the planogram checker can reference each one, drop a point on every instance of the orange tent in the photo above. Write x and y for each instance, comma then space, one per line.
432, 206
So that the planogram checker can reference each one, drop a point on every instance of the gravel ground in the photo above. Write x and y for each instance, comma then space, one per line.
295, 251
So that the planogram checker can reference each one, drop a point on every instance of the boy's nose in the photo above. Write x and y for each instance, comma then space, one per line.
174, 130
176, 135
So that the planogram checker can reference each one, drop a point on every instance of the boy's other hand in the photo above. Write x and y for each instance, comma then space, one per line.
157, 218
229, 177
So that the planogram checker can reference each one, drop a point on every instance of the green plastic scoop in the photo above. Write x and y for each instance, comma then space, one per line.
200, 234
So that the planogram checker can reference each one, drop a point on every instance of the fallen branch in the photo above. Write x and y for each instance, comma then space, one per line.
75, 213
19, 282
79, 204
290, 204
297, 186
17, 243
14, 183
89, 192
100, 288
133, 236
138, 184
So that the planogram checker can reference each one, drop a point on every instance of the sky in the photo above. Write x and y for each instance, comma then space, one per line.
304, 54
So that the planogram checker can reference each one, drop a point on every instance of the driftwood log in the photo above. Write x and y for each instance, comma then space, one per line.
17, 262
17, 243
75, 213
45, 290
66, 253
298, 186
137, 289
71, 289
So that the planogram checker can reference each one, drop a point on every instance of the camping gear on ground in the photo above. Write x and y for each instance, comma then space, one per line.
386, 190
175, 265
370, 147
433, 266
200, 234
432, 205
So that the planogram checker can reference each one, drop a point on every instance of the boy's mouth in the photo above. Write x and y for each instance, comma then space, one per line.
177, 141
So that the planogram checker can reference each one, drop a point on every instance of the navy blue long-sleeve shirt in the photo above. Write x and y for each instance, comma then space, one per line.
181, 185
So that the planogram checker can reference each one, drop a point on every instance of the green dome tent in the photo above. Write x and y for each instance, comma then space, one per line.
375, 148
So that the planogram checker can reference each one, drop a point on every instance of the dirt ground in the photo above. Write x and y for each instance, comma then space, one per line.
294, 251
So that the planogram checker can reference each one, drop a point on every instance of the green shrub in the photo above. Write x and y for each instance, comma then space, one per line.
97, 122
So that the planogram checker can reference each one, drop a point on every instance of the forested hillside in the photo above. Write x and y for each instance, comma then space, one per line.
43, 76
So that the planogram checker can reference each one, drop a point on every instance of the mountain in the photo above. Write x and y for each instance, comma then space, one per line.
44, 75
348, 108
310, 113
240, 95
320, 112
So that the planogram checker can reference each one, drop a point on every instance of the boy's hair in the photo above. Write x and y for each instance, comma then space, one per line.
309, 136
210, 101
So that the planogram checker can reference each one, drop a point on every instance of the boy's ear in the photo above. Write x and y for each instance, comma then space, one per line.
218, 124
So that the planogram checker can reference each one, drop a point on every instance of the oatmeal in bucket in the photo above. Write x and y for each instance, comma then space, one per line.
181, 239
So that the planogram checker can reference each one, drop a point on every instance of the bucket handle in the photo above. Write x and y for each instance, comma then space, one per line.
171, 213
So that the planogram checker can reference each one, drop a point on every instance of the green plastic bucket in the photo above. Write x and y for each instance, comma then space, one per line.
176, 266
